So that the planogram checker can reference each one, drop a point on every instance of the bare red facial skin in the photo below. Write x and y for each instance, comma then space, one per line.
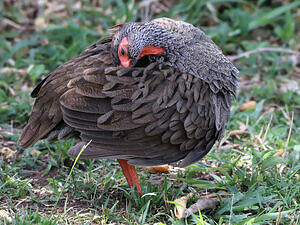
151, 50
123, 52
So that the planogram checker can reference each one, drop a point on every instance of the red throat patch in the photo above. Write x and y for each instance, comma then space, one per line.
151, 50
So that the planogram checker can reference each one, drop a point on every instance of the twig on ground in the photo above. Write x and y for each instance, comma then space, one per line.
238, 132
12, 23
166, 201
279, 214
248, 53
267, 130
290, 132
215, 195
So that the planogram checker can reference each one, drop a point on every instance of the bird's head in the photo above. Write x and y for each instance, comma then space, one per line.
133, 41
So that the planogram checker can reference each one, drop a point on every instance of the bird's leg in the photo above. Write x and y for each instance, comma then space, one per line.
130, 174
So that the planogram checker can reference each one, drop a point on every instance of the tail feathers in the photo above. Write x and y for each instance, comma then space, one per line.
198, 153
39, 124
34, 132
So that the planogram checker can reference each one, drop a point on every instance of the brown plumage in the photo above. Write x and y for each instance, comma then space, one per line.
171, 105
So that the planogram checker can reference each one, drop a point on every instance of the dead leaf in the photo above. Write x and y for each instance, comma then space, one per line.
181, 207
243, 129
54, 8
9, 70
201, 204
289, 85
230, 145
5, 215
279, 153
158, 169
43, 192
9, 154
35, 152
40, 23
248, 105
11, 62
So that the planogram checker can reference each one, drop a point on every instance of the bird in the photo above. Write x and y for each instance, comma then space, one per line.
150, 93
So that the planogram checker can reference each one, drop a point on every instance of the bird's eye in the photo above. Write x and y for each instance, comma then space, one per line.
122, 51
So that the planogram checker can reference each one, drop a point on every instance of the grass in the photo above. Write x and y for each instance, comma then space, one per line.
259, 168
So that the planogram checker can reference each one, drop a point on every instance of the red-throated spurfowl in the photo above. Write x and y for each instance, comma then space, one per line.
151, 93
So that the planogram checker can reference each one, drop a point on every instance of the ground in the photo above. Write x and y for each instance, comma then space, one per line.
254, 171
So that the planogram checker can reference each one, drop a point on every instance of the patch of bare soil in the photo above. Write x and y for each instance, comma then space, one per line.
38, 178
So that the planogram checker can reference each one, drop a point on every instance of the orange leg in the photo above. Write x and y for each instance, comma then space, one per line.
130, 174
